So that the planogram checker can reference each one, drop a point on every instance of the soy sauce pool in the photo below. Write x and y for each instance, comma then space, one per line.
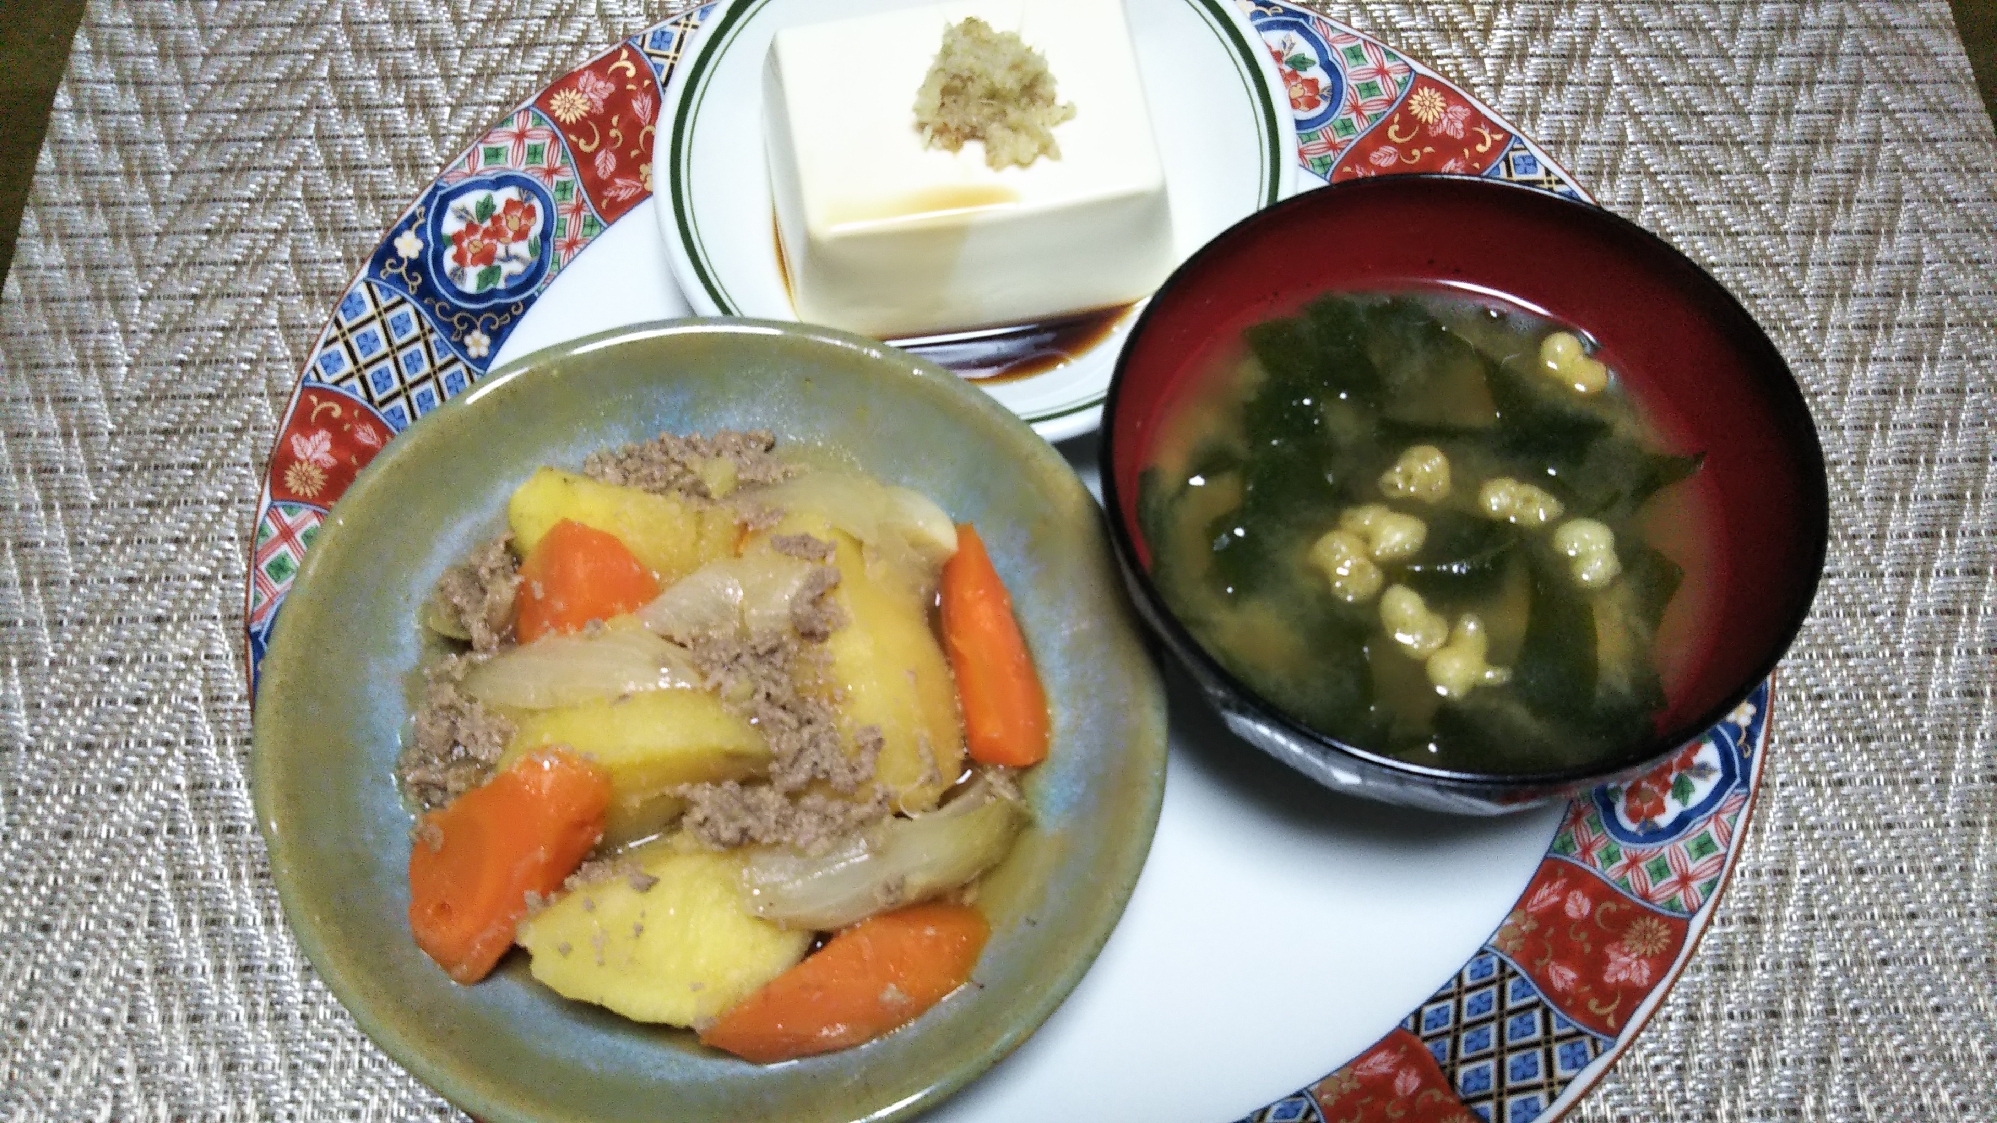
1019, 350
1300, 434
990, 356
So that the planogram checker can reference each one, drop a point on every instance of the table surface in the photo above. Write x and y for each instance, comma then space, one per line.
214, 173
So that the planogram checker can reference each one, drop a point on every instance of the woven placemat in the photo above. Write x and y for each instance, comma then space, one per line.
214, 173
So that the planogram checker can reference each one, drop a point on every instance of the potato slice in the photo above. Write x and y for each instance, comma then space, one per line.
649, 743
888, 670
635, 818
680, 952
667, 535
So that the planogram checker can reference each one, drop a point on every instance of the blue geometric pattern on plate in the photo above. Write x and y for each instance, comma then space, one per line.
1300, 1108
381, 348
662, 45
1521, 163
1503, 1047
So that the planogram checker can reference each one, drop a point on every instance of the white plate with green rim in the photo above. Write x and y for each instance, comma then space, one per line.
1224, 128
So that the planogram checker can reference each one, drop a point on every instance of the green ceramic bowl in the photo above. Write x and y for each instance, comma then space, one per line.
334, 694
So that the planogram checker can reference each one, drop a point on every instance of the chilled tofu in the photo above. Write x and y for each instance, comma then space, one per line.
884, 236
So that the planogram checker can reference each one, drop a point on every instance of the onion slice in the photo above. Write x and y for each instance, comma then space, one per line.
925, 525
441, 620
894, 520
893, 863
568, 670
728, 596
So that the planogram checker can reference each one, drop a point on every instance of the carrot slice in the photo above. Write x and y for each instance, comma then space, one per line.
1005, 711
879, 974
474, 862
576, 574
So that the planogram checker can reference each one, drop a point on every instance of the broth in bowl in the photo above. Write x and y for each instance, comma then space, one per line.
1434, 527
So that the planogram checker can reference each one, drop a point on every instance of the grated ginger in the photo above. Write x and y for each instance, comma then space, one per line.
989, 85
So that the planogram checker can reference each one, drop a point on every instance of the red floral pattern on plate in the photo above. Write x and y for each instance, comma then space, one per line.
1648, 799
1306, 94
608, 111
514, 222
1594, 953
1435, 128
1396, 1080
330, 438
474, 247
1691, 866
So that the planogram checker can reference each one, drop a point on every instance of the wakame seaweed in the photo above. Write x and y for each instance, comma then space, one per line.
1319, 406
1463, 558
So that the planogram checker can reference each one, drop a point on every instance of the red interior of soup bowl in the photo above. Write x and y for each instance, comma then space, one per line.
1697, 363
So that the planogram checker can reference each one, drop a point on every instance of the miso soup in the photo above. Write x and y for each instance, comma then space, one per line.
1431, 527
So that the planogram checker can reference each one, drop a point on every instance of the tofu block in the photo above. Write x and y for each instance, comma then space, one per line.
888, 238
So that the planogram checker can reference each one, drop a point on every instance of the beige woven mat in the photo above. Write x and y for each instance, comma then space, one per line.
215, 173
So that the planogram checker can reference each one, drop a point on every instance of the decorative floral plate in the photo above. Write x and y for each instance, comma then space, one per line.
1223, 139
1288, 955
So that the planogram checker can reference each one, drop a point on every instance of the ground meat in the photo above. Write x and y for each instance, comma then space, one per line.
813, 612
804, 547
429, 834
756, 517
476, 594
674, 465
762, 678
768, 679
728, 815
455, 741
868, 740
600, 870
